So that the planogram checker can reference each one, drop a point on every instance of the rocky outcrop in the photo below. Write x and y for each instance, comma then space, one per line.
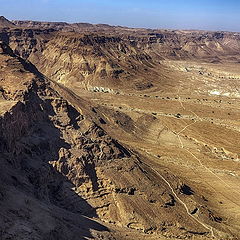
5, 23
27, 43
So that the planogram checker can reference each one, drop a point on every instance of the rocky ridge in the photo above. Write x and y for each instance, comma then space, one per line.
113, 57
5, 23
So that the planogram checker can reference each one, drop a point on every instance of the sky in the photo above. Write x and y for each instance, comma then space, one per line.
168, 14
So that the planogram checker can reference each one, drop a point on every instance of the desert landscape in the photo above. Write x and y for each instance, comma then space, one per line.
118, 133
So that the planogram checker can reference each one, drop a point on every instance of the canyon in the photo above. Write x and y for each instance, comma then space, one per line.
109, 132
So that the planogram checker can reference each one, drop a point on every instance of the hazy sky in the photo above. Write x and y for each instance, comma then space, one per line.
176, 14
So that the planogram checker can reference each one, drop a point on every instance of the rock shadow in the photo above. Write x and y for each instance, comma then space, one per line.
28, 155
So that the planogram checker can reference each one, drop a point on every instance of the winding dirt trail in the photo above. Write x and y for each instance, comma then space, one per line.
209, 228
193, 155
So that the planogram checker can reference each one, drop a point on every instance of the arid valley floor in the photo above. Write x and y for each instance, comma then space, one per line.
118, 133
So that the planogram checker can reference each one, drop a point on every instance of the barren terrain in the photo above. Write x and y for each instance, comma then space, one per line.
118, 133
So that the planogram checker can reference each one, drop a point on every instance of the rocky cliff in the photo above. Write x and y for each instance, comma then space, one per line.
113, 57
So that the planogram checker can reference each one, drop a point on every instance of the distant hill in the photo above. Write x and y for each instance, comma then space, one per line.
63, 26
5, 22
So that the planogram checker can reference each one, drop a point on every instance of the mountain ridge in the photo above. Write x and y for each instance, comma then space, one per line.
5, 22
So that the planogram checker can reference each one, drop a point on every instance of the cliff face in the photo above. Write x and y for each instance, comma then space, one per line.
207, 46
87, 60
168, 44
92, 60
27, 43
113, 57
